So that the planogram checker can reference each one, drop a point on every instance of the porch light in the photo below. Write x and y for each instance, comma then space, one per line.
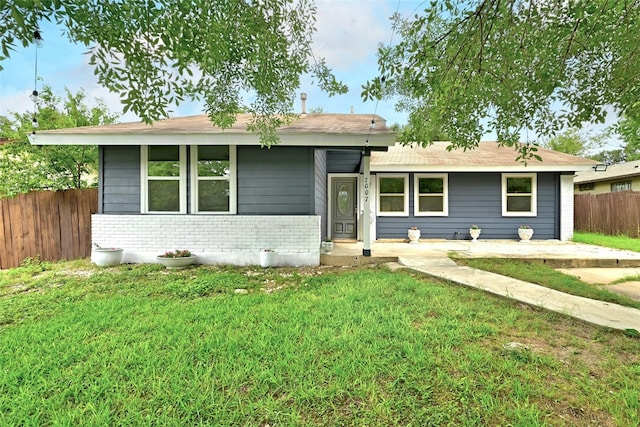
600, 168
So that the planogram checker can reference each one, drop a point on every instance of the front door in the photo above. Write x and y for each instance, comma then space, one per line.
344, 208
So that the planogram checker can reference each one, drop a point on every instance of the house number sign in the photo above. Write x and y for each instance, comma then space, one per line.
366, 189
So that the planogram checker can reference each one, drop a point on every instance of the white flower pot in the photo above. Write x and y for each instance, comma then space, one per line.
106, 257
176, 263
268, 259
475, 233
414, 236
525, 234
326, 247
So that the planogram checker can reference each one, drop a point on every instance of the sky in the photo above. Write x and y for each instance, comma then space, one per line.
348, 35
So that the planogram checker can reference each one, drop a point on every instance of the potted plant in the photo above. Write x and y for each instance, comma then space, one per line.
176, 260
414, 234
268, 258
106, 257
326, 246
525, 232
474, 232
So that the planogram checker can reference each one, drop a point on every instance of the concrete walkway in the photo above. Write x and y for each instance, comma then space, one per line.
592, 311
431, 258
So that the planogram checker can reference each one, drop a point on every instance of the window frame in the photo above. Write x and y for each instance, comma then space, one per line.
587, 186
145, 178
533, 195
444, 194
195, 179
405, 194
626, 183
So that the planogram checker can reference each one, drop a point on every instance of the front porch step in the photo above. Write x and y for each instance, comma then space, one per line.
343, 260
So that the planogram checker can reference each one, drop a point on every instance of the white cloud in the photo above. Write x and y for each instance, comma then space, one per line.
350, 31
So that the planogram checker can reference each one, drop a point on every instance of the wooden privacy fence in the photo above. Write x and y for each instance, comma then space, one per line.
49, 225
608, 213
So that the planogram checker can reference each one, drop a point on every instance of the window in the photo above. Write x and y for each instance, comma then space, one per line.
621, 186
213, 169
211, 174
431, 195
586, 186
393, 193
519, 195
164, 179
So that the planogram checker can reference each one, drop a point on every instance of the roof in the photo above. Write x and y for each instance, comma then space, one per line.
199, 130
487, 156
617, 171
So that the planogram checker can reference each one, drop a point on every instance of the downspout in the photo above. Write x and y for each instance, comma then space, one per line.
366, 217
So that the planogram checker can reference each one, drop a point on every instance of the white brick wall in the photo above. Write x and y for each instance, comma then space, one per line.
216, 239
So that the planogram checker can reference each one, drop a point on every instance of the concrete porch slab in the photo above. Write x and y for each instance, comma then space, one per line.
554, 253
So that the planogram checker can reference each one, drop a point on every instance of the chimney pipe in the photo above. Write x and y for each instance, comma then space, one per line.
303, 98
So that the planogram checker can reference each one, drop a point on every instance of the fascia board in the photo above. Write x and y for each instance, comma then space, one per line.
320, 139
467, 168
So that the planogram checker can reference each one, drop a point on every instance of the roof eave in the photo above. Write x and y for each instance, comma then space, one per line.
479, 168
286, 139
607, 178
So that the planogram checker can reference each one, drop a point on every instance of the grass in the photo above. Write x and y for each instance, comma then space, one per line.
144, 346
546, 276
617, 242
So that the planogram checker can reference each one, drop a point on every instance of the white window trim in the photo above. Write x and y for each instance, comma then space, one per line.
534, 194
445, 194
405, 211
144, 180
232, 182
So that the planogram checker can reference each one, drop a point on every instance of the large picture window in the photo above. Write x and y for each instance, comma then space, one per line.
164, 178
393, 195
430, 195
519, 195
213, 169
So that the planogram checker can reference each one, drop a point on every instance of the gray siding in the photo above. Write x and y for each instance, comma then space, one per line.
276, 181
119, 185
476, 198
343, 161
320, 178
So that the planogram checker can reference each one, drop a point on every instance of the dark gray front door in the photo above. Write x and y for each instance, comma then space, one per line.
344, 210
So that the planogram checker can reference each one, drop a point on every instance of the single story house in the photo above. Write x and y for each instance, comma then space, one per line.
184, 184
614, 178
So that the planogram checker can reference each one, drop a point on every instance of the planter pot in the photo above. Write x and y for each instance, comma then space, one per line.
326, 247
525, 234
268, 259
475, 233
414, 236
176, 263
106, 257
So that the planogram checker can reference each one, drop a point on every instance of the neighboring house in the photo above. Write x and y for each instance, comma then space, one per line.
618, 177
183, 184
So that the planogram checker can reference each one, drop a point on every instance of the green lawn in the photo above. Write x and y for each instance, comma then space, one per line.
328, 346
617, 242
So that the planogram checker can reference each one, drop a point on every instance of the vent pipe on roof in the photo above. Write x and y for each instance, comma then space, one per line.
303, 98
